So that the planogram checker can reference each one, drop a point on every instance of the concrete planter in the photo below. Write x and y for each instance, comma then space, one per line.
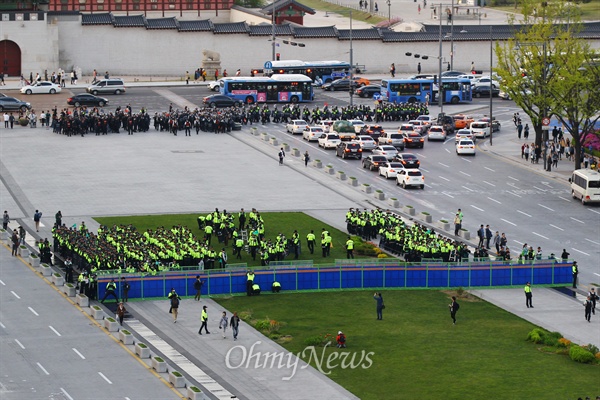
426, 217
264, 136
443, 224
352, 181
23, 251
194, 393
82, 300
69, 289
410, 210
111, 324
341, 175
465, 234
273, 141
379, 195
329, 169
254, 131
45, 270
159, 365
34, 260
142, 350
97, 312
394, 202
3, 235
58, 279
366, 188
318, 164
286, 147
295, 152
176, 379
126, 337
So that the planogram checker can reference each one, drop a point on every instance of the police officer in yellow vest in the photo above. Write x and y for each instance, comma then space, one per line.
575, 272
239, 245
349, 248
208, 230
249, 282
276, 287
528, 295
255, 289
310, 239
110, 291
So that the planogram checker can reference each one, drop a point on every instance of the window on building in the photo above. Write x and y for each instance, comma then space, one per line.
82, 7
100, 7
100, 1
118, 7
82, 1
154, 6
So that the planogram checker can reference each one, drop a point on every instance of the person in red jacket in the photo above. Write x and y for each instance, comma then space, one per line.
341, 340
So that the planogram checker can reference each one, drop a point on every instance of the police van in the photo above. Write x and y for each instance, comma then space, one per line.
585, 185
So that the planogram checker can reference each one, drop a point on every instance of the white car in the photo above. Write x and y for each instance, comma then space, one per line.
41, 87
406, 128
419, 126
326, 125
312, 133
386, 150
358, 124
436, 132
480, 129
215, 86
486, 80
296, 126
464, 134
390, 169
329, 140
410, 177
427, 119
366, 142
465, 146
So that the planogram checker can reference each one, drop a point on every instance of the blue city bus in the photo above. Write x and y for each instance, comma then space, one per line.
456, 90
324, 71
286, 88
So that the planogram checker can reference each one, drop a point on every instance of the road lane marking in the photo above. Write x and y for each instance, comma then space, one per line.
575, 219
33, 311
464, 173
542, 236
494, 200
560, 197
66, 394
524, 213
443, 165
447, 151
579, 251
471, 190
543, 190
20, 344
446, 194
78, 353
2, 282
105, 378
554, 226
488, 183
547, 208
596, 274
2, 325
477, 208
424, 170
514, 179
54, 330
441, 177
43, 369
14, 294
508, 222
592, 241
597, 212
517, 242
464, 159
489, 169
514, 194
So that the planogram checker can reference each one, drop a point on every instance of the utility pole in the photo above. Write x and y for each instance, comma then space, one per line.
491, 85
351, 84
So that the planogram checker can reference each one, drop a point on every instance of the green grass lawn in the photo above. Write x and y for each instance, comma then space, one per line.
589, 11
345, 11
275, 223
419, 354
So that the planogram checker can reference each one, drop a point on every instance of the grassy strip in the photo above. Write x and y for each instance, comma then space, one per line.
345, 11
589, 11
419, 354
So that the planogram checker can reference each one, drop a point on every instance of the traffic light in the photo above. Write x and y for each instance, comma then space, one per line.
435, 79
277, 56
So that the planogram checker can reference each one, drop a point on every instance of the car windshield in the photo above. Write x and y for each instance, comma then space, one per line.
479, 126
409, 157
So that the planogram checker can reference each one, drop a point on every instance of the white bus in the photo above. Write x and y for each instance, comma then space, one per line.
585, 185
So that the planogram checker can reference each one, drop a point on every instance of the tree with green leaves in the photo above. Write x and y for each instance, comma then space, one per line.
549, 70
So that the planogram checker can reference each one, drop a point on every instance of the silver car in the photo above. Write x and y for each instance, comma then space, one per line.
367, 143
12, 104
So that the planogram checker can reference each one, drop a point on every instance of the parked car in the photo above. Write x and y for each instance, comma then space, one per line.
410, 177
368, 91
12, 104
390, 169
484, 91
296, 126
220, 100
312, 133
111, 85
504, 95
408, 160
86, 99
349, 150
413, 139
329, 140
340, 84
366, 142
436, 132
388, 151
465, 146
373, 162
41, 87
464, 134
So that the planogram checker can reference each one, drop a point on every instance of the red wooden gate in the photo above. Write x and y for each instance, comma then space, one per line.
10, 58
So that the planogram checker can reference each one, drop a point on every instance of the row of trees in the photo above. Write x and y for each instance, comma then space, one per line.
550, 70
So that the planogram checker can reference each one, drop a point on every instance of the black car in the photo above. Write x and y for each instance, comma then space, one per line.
413, 139
86, 99
484, 91
368, 91
349, 150
408, 160
374, 162
220, 100
12, 104
372, 130
340, 84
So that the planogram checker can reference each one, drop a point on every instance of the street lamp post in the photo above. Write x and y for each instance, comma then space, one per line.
273, 32
440, 86
491, 85
351, 65
452, 37
389, 4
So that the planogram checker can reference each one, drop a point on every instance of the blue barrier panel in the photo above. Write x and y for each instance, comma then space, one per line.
135, 288
394, 276
308, 278
459, 277
351, 278
154, 286
563, 273
521, 274
437, 277
542, 274
287, 278
180, 284
480, 275
416, 277
373, 277
220, 284
501, 275
329, 278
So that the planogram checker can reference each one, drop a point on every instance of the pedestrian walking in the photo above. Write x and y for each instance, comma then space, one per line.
5, 220
574, 272
174, 304
496, 242
565, 255
419, 68
393, 70
281, 156
223, 323
454, 306
121, 313
593, 297
234, 322
519, 130
488, 236
528, 295
125, 286
481, 235
588, 309
37, 216
204, 319
458, 222
306, 158
187, 77
380, 305
15, 242
526, 131
198, 287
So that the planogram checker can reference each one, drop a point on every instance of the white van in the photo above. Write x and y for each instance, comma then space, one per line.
111, 85
480, 129
585, 185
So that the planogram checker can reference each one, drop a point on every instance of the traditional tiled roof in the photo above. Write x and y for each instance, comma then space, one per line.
129, 21
280, 4
97, 19
316, 32
267, 30
196, 26
231, 27
360, 34
161, 23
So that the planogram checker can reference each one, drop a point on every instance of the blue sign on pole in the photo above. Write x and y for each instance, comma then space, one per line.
268, 65
376, 96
